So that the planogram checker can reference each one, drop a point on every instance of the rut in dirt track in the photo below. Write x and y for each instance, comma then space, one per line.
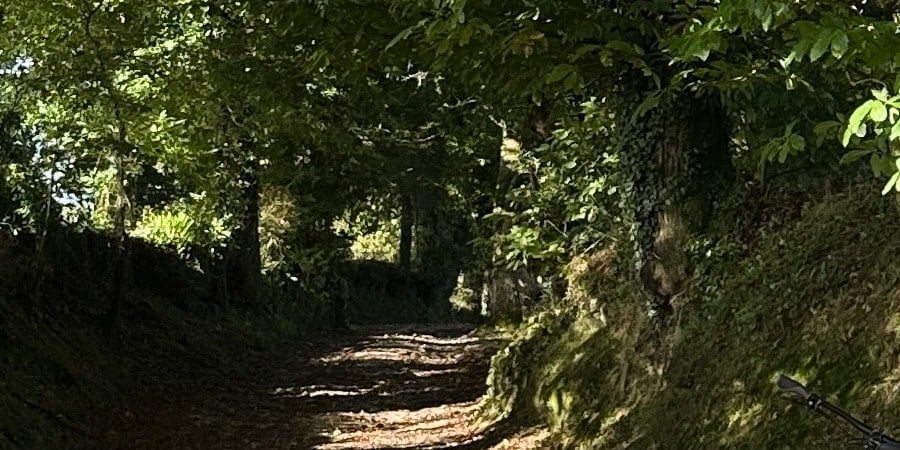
391, 387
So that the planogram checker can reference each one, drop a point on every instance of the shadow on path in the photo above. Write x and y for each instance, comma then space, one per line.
387, 387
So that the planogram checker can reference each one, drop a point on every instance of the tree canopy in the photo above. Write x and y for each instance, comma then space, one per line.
411, 159
564, 124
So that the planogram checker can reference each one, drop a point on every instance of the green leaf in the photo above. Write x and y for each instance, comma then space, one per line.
839, 44
880, 95
788, 130
881, 164
848, 133
797, 142
878, 112
702, 54
794, 55
781, 9
856, 119
756, 7
767, 20
789, 84
650, 102
821, 46
622, 46
559, 73
891, 183
465, 35
801, 48
895, 131
854, 155
585, 49
400, 36
459, 8
823, 128
571, 81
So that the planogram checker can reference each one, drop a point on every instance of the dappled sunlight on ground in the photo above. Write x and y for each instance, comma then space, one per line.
403, 387
442, 426
323, 391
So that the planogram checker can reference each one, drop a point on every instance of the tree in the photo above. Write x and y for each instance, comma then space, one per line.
549, 51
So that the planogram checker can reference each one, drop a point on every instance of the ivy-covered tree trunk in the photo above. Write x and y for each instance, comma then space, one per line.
687, 164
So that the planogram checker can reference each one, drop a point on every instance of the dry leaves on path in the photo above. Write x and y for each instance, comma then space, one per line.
391, 387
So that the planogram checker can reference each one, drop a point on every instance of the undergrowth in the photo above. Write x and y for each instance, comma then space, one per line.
815, 298
66, 383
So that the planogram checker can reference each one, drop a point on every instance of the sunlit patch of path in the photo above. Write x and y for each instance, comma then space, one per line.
440, 374
389, 387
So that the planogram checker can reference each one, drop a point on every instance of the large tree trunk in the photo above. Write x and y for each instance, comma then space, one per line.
690, 166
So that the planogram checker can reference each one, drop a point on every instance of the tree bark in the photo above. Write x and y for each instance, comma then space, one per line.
692, 167
503, 296
245, 279
243, 264
407, 221
122, 258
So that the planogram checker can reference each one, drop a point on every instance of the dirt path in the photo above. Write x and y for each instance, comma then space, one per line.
410, 387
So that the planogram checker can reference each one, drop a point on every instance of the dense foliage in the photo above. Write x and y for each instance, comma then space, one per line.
478, 149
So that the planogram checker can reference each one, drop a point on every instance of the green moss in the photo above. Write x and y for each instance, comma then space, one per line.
816, 298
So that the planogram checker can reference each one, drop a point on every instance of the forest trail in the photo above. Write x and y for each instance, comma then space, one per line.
388, 387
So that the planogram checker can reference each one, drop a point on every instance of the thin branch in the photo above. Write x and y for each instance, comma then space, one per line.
864, 80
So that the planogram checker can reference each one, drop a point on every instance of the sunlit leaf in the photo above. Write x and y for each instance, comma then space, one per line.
855, 122
891, 183
878, 112
895, 131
